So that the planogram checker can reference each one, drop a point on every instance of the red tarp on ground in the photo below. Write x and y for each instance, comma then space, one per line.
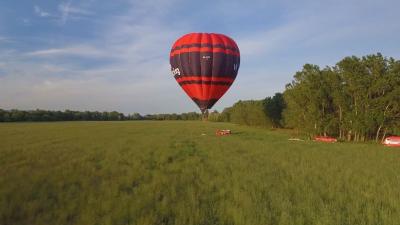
393, 141
325, 139
222, 132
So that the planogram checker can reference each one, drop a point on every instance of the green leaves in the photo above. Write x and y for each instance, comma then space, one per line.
357, 99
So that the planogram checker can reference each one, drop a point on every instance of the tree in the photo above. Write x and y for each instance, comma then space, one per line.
136, 116
214, 116
357, 99
250, 113
274, 107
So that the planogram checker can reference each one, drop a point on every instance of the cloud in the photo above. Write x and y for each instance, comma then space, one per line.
312, 27
78, 50
30, 85
4, 39
267, 41
40, 12
139, 46
67, 10
124, 64
26, 21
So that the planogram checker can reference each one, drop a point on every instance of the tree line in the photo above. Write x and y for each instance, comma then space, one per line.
38, 115
358, 99
260, 113
15, 115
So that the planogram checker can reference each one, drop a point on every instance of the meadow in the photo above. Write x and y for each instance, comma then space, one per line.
150, 172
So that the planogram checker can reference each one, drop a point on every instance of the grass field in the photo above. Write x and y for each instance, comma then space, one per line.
169, 173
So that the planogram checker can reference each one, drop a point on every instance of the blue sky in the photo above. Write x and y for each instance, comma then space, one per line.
114, 55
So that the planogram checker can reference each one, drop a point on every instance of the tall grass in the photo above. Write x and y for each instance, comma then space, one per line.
169, 173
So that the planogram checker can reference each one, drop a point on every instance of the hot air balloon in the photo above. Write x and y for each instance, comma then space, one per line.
205, 66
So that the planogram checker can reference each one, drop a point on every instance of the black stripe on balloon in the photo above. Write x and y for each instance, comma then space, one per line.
205, 45
194, 75
209, 64
205, 104
205, 82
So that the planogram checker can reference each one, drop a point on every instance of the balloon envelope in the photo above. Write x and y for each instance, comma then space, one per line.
205, 66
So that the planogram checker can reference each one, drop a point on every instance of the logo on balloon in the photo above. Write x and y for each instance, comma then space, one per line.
175, 71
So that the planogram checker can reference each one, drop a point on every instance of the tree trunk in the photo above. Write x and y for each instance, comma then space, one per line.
384, 135
349, 136
377, 133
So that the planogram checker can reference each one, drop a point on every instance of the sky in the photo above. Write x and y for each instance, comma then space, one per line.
114, 55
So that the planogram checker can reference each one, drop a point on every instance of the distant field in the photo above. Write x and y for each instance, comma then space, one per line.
169, 173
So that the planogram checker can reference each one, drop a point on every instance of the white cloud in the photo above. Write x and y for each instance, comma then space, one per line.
137, 78
79, 50
67, 10
127, 89
26, 21
40, 12
270, 40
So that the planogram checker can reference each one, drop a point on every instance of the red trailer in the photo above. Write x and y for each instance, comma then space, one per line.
392, 141
325, 139
222, 132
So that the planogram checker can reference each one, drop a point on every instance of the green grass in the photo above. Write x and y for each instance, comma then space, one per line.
169, 173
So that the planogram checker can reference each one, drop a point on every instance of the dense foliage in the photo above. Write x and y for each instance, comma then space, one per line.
358, 99
262, 113
68, 115
274, 107
173, 116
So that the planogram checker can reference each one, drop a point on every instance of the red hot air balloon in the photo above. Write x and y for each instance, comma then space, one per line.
205, 66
